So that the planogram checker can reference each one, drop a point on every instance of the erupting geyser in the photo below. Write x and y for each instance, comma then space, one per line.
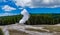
25, 16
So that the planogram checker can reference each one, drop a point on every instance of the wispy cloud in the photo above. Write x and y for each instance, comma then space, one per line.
7, 14
8, 8
38, 3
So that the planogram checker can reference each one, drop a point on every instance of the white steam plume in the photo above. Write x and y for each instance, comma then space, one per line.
25, 16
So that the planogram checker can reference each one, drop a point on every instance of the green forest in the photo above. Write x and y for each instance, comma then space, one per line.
35, 19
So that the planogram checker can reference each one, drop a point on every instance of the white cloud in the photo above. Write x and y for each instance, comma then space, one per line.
2, 0
20, 8
7, 14
8, 8
22, 2
38, 3
46, 3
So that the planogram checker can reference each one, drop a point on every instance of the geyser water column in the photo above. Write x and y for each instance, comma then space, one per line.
25, 16
23, 4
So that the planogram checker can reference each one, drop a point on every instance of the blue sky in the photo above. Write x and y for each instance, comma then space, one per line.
14, 7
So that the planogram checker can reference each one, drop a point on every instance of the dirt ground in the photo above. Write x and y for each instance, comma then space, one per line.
16, 29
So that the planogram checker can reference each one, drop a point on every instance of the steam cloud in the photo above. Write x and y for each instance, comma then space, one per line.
25, 16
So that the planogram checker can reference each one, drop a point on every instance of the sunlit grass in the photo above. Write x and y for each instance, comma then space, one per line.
53, 28
15, 32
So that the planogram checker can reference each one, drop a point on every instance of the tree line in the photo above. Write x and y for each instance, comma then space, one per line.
35, 19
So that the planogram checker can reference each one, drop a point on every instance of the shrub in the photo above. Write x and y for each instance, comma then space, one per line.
1, 33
